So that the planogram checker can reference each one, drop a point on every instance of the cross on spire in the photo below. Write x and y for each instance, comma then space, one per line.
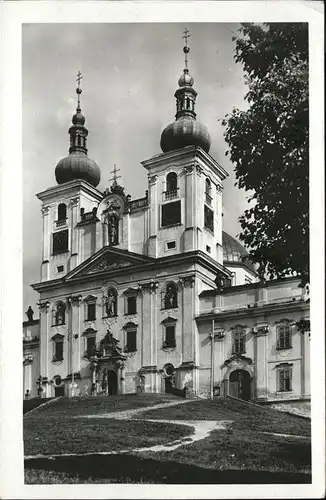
186, 35
115, 176
79, 78
186, 49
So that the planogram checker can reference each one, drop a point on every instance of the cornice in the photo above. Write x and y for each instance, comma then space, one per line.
187, 153
254, 311
61, 189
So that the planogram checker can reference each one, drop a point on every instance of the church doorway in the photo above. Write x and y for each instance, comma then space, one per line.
239, 385
59, 391
112, 383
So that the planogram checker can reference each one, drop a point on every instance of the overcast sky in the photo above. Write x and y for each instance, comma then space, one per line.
130, 73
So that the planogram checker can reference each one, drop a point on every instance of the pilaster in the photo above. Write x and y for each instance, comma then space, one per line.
45, 266
74, 337
153, 216
44, 344
75, 251
261, 361
148, 341
188, 333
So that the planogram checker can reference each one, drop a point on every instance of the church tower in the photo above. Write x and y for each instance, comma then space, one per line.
185, 183
69, 208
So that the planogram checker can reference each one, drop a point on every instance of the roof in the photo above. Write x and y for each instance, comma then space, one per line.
234, 252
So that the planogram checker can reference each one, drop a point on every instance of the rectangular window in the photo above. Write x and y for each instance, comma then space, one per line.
131, 305
91, 311
209, 218
60, 241
285, 379
283, 337
131, 341
208, 249
58, 350
238, 342
60, 269
170, 245
171, 213
169, 336
90, 345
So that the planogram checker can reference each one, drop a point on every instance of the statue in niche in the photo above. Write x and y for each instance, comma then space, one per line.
113, 229
105, 380
30, 313
171, 296
111, 304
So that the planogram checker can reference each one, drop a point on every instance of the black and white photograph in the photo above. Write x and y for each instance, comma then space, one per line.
167, 285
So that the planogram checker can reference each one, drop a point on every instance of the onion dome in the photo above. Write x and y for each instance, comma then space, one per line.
234, 252
77, 165
185, 131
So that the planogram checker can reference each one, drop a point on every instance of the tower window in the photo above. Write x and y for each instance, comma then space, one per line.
209, 218
170, 245
57, 347
171, 186
132, 305
60, 241
62, 212
208, 249
238, 341
208, 191
284, 337
171, 213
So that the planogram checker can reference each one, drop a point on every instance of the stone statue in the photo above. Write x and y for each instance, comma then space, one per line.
170, 299
113, 224
111, 304
30, 314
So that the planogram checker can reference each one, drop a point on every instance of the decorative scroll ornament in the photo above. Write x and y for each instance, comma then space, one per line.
45, 210
219, 188
152, 180
28, 358
199, 170
74, 299
262, 329
73, 202
187, 281
44, 306
219, 333
189, 169
150, 286
303, 325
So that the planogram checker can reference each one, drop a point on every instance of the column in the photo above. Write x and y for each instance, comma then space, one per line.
74, 233
304, 329
148, 329
44, 345
219, 334
153, 217
45, 266
121, 377
261, 361
187, 369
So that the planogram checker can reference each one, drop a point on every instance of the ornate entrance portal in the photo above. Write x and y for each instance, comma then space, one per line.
239, 385
107, 365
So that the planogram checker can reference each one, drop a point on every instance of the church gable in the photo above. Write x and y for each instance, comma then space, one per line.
107, 259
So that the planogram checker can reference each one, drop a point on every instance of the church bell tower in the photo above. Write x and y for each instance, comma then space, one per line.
185, 182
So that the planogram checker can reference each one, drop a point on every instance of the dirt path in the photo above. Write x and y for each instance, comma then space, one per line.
202, 429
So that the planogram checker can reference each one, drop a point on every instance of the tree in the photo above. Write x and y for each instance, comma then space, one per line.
269, 145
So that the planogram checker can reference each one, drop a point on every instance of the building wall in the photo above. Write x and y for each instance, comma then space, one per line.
31, 357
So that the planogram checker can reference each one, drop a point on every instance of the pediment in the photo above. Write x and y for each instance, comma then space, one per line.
238, 359
108, 259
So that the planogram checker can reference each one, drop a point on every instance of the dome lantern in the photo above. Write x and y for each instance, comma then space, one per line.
77, 165
185, 131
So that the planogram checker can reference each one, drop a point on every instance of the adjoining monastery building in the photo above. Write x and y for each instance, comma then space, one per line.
150, 294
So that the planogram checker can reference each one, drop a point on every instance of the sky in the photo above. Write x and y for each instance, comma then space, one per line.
130, 73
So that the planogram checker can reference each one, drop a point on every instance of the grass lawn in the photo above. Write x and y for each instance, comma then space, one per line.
98, 404
241, 454
53, 435
245, 417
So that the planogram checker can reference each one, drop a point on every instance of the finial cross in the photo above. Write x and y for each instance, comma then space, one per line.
115, 176
186, 35
79, 78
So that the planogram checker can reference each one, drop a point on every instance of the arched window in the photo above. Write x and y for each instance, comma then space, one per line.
171, 181
111, 303
170, 296
59, 314
62, 211
188, 103
208, 191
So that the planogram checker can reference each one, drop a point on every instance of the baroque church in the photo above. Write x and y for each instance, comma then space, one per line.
150, 295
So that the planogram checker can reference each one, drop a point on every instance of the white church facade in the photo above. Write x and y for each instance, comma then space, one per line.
151, 295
